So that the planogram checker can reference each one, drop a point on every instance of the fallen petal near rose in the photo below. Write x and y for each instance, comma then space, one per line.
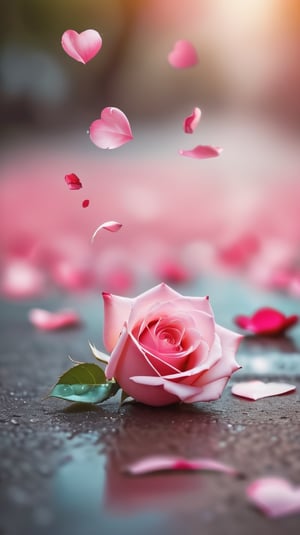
51, 321
191, 122
112, 226
81, 46
202, 152
258, 389
183, 55
266, 321
170, 349
168, 462
112, 130
274, 496
85, 203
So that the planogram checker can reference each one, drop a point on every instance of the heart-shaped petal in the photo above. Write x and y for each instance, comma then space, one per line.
266, 321
258, 389
274, 496
183, 55
81, 46
202, 151
112, 130
191, 122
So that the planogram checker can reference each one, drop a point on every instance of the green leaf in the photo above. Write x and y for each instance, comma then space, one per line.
85, 383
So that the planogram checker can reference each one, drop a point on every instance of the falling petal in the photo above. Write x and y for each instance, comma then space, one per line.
85, 203
168, 462
274, 496
183, 55
266, 321
51, 321
202, 151
81, 46
191, 122
112, 226
258, 389
112, 129
73, 181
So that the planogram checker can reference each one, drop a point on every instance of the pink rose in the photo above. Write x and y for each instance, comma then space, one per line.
166, 347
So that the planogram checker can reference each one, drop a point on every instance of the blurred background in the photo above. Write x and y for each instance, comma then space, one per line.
236, 214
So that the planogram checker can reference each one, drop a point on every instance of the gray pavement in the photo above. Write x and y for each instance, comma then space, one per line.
61, 464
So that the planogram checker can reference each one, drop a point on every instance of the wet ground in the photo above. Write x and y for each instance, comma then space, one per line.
62, 465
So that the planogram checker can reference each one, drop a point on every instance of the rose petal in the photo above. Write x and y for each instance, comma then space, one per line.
274, 496
112, 130
266, 321
116, 312
202, 152
50, 321
183, 55
85, 203
112, 226
258, 389
73, 181
81, 46
191, 122
158, 463
158, 294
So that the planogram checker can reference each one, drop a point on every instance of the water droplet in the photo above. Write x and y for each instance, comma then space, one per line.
65, 390
15, 422
79, 390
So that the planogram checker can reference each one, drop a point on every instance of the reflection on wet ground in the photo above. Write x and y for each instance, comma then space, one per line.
62, 466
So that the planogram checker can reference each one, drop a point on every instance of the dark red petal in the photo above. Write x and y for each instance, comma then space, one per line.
73, 181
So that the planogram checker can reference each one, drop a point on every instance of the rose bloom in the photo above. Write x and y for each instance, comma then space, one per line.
166, 347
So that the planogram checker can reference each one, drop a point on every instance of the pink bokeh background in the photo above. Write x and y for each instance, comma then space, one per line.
238, 213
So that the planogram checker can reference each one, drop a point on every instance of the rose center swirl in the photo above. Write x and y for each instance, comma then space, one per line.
162, 338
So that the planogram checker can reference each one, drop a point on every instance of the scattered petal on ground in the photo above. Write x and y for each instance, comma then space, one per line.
20, 280
73, 181
112, 226
191, 122
112, 130
274, 496
266, 321
202, 151
50, 321
81, 46
85, 203
258, 389
168, 462
72, 275
183, 55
